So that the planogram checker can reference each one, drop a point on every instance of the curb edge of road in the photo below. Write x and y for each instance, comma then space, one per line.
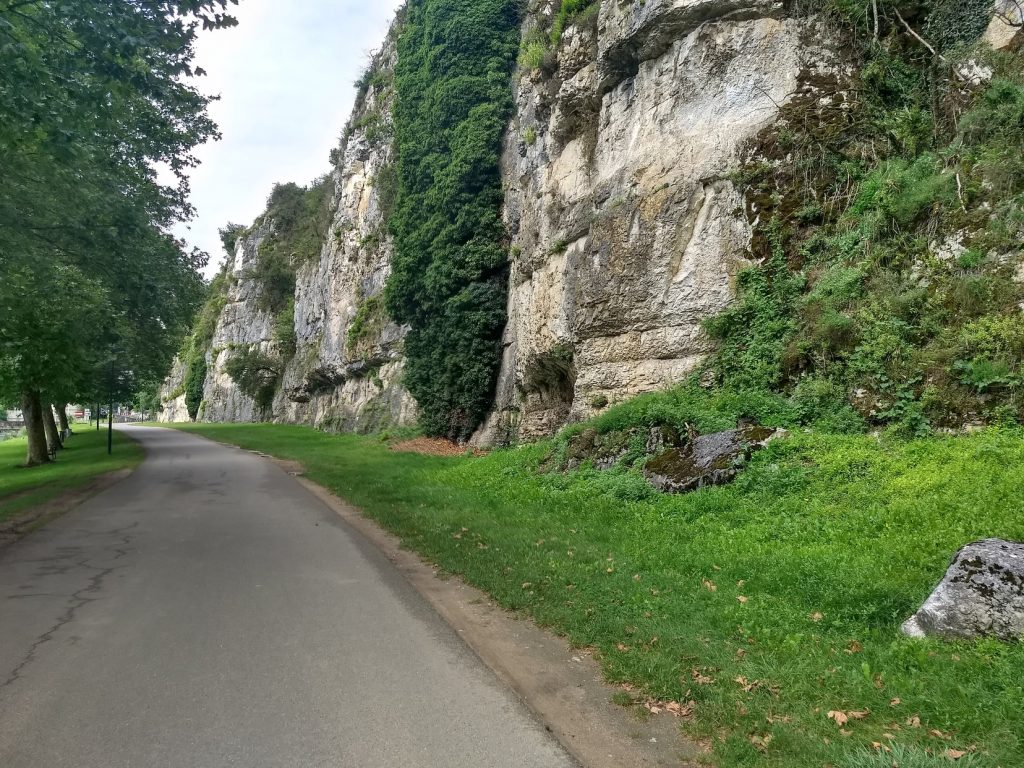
563, 687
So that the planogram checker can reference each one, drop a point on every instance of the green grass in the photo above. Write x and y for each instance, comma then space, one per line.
832, 540
84, 458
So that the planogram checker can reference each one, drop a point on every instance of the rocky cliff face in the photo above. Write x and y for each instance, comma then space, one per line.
347, 368
344, 372
626, 229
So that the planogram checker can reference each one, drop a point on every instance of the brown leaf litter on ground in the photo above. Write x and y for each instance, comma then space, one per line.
433, 446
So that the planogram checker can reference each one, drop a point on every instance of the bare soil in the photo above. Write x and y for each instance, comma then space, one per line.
433, 446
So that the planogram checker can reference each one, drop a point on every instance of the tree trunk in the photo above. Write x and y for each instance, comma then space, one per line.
50, 425
32, 408
62, 417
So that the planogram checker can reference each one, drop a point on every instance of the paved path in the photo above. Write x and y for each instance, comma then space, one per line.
209, 612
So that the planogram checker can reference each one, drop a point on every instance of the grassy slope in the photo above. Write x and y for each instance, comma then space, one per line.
852, 529
84, 458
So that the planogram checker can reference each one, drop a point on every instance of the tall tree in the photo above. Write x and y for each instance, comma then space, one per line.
94, 98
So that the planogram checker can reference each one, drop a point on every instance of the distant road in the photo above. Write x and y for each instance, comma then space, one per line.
208, 612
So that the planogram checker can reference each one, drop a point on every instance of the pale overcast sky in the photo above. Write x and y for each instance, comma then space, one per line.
286, 79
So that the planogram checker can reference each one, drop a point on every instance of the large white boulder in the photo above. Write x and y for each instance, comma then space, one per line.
981, 595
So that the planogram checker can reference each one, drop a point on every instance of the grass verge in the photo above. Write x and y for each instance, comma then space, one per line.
83, 459
774, 603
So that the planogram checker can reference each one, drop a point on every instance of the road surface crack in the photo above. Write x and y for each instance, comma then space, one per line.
76, 601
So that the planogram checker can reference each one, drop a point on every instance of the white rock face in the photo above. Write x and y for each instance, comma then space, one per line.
337, 380
332, 380
173, 403
627, 232
242, 324
1006, 30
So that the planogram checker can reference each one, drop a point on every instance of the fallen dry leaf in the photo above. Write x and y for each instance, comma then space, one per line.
740, 583
896, 702
854, 647
680, 710
844, 732
742, 598
838, 716
939, 734
761, 742
745, 684
914, 721
622, 647
709, 585
817, 616
527, 584
636, 577
955, 754
701, 679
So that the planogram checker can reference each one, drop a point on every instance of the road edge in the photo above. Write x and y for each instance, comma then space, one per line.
21, 525
563, 687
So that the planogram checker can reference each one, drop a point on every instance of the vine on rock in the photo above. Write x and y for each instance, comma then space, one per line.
450, 275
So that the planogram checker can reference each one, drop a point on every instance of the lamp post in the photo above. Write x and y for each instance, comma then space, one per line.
110, 410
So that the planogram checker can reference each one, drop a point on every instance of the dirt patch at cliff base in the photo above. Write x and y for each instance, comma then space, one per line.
434, 446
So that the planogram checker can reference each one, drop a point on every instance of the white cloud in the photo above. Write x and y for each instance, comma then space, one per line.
285, 76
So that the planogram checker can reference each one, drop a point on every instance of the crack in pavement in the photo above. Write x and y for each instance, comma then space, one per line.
77, 600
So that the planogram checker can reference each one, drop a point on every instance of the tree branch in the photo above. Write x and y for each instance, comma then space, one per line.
917, 37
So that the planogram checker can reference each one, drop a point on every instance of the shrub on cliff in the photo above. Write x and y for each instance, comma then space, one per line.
889, 227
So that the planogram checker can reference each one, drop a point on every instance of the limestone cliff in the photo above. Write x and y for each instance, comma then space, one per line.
344, 368
347, 367
627, 230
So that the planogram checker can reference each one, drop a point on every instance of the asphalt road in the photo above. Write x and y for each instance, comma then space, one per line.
210, 612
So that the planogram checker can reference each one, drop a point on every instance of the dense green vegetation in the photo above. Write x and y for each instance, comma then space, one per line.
299, 217
539, 47
256, 373
449, 278
83, 459
890, 228
196, 346
96, 292
830, 541
570, 11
